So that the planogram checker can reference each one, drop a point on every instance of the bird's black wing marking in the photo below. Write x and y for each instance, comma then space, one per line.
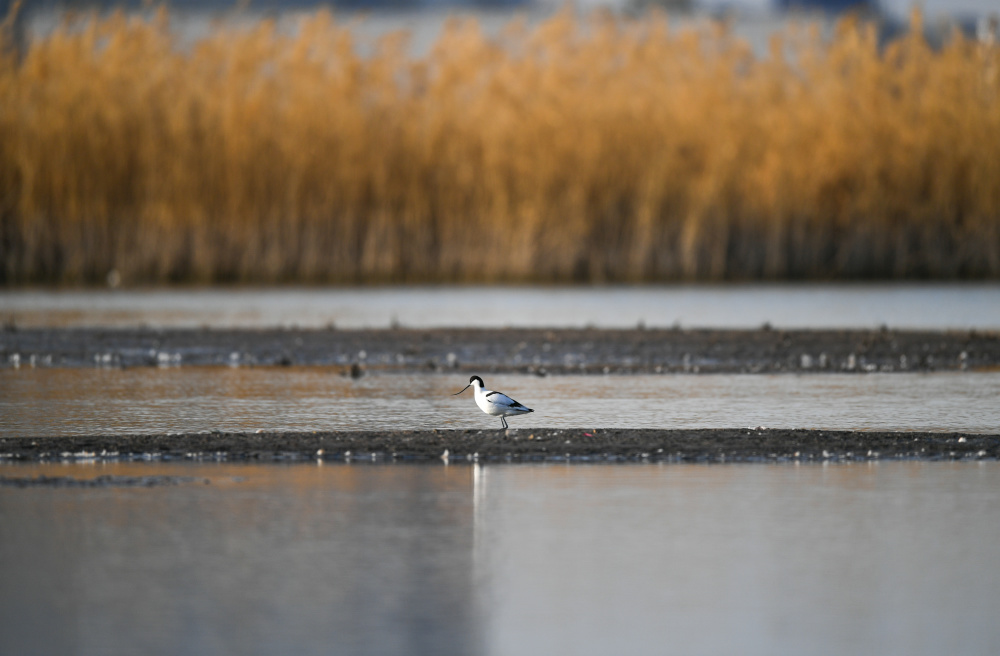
512, 404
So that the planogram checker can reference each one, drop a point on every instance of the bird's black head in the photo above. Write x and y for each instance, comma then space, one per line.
471, 381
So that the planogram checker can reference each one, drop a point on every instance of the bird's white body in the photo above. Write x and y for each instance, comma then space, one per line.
495, 403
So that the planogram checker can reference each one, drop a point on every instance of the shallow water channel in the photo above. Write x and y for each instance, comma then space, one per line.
877, 558
53, 402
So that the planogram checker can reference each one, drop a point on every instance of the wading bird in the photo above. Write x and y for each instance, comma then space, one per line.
494, 403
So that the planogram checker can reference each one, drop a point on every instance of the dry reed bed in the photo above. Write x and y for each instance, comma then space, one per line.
577, 150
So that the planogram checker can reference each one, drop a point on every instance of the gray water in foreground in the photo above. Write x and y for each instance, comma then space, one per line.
54, 402
932, 306
879, 558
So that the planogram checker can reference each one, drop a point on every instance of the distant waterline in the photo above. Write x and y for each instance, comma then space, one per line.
899, 306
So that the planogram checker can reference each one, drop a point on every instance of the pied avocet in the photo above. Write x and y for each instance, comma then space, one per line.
494, 403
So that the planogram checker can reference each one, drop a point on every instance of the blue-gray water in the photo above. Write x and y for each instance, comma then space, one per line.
53, 402
881, 558
901, 306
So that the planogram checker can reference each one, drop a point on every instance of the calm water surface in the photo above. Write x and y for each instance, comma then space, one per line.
40, 402
928, 306
887, 558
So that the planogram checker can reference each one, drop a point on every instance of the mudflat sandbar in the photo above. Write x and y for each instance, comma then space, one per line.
508, 350
515, 445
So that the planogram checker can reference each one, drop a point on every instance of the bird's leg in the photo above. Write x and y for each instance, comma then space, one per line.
504, 421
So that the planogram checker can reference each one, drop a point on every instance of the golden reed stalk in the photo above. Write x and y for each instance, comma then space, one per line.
600, 149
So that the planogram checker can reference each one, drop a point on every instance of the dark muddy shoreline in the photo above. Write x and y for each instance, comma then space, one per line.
515, 445
512, 350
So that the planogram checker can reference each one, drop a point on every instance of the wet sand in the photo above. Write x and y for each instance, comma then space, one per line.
536, 351
515, 445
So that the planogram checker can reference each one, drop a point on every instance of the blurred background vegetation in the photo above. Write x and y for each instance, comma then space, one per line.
574, 147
